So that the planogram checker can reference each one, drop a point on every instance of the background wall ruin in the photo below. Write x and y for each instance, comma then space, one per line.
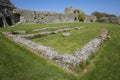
6, 14
10, 15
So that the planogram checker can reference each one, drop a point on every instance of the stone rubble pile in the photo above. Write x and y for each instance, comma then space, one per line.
66, 35
65, 60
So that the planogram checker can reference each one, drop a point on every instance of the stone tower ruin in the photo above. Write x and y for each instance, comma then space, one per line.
69, 10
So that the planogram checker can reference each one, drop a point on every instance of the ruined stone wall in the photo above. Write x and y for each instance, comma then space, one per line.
6, 14
69, 10
115, 20
35, 17
90, 18
10, 15
38, 17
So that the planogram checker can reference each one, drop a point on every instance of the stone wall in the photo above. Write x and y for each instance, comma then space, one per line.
90, 18
10, 15
69, 10
35, 17
6, 14
115, 20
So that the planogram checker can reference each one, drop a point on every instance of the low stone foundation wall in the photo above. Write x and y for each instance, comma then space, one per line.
42, 34
65, 60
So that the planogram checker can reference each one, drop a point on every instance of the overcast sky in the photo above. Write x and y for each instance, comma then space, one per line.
88, 6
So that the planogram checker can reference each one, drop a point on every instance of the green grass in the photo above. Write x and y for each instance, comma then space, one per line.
107, 65
18, 63
77, 39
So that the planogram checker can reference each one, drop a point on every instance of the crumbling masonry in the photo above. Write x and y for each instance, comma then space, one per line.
10, 15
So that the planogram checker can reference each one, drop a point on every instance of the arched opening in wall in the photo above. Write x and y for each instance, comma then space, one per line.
35, 17
42, 18
91, 20
8, 20
78, 11
1, 22
74, 11
75, 19
17, 18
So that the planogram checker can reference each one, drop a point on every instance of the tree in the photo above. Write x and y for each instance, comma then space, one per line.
99, 15
81, 17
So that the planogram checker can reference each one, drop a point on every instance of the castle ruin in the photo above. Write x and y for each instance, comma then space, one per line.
10, 15
69, 10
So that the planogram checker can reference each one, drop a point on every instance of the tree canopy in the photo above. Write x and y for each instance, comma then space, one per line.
99, 15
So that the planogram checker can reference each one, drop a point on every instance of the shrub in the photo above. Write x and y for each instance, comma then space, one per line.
81, 17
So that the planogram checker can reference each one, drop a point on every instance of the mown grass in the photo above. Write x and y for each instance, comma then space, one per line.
77, 39
18, 63
107, 65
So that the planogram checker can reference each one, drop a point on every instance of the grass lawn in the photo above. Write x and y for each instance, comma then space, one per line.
18, 63
68, 45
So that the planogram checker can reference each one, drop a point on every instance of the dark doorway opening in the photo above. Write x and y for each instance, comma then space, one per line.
74, 11
17, 18
1, 22
78, 12
75, 19
9, 22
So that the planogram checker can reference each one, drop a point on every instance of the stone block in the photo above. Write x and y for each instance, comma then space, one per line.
19, 32
66, 35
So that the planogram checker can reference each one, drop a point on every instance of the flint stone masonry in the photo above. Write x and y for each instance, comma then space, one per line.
69, 10
37, 17
34, 17
6, 14
10, 15
65, 60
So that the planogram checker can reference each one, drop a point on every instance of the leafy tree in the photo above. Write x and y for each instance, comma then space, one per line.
99, 15
81, 17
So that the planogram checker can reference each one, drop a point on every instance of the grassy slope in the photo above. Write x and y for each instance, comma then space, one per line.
18, 63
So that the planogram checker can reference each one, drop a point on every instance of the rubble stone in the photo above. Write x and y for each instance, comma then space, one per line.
66, 35
19, 32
